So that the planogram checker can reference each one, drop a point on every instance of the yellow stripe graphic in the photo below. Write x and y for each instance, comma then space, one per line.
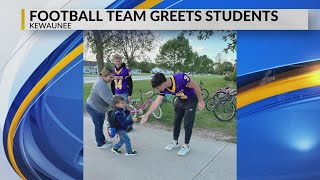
32, 94
148, 4
55, 70
22, 19
281, 86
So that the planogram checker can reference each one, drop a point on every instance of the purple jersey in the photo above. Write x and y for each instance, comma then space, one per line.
120, 82
180, 82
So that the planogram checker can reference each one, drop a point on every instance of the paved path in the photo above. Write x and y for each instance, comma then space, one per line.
207, 160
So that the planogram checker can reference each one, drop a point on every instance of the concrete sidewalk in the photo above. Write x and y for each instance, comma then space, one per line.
207, 160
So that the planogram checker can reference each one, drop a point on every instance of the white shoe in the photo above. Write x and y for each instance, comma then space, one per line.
108, 142
184, 150
132, 153
171, 146
105, 146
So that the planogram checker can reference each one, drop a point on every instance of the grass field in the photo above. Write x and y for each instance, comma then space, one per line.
142, 74
204, 118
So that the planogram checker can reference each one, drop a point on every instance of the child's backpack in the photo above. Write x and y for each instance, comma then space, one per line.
112, 125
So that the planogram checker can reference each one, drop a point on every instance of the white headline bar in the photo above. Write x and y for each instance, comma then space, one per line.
112, 19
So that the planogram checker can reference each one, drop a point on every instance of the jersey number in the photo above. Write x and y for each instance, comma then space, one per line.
118, 83
186, 78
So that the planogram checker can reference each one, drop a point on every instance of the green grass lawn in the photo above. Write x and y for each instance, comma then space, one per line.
204, 118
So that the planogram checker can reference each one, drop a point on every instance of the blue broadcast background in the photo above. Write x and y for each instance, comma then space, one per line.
48, 143
278, 137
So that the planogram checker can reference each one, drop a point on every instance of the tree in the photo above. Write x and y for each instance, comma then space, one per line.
160, 63
203, 64
227, 66
232, 45
97, 40
218, 63
189, 63
174, 52
205, 34
234, 76
206, 64
145, 66
130, 44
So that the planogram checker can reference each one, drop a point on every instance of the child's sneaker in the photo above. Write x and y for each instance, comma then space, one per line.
117, 151
108, 142
171, 146
184, 150
105, 146
132, 153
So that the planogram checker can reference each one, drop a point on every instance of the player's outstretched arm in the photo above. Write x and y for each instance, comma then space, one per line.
153, 107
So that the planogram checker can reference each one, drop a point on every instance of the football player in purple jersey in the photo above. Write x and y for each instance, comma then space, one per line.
190, 98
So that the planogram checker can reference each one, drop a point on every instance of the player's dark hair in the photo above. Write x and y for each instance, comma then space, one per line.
158, 79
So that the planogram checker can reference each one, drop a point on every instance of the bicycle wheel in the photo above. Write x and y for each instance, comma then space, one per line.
224, 110
211, 103
205, 94
133, 111
221, 96
158, 113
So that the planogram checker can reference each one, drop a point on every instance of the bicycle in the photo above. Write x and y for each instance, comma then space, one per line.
221, 94
204, 92
136, 108
225, 109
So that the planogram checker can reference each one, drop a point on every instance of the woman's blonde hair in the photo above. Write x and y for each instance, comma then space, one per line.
106, 71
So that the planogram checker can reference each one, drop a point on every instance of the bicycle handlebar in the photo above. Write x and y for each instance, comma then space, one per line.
148, 93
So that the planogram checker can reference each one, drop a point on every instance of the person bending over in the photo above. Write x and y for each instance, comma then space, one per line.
189, 97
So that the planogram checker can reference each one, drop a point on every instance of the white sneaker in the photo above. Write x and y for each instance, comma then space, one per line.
132, 153
108, 142
105, 146
184, 150
171, 146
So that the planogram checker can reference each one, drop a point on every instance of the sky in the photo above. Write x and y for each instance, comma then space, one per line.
210, 47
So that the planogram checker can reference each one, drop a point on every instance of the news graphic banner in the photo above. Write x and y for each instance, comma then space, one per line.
101, 19
42, 137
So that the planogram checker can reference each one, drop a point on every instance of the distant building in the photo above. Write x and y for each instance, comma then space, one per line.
168, 71
136, 71
90, 67
86, 70
164, 71
156, 70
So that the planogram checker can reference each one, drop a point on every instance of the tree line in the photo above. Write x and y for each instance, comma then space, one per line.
175, 54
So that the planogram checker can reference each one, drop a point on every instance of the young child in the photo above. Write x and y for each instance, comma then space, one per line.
123, 120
